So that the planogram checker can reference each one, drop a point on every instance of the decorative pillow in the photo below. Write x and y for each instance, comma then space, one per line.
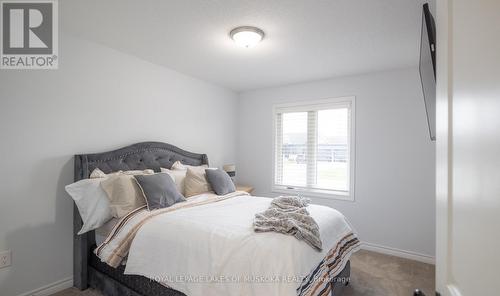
123, 193
158, 190
139, 172
220, 181
180, 166
178, 176
196, 181
92, 203
97, 173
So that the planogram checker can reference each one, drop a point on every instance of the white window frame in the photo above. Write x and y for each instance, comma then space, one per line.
312, 105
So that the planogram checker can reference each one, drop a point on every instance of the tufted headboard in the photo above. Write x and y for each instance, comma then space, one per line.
147, 155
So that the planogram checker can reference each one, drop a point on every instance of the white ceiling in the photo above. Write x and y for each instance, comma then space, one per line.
305, 39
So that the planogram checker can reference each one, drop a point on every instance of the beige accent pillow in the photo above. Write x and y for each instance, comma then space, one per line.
196, 181
178, 172
97, 173
123, 193
178, 176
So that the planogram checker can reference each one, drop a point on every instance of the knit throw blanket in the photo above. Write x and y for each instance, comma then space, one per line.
288, 215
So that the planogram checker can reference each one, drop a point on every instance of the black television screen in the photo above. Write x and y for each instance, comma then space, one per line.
427, 68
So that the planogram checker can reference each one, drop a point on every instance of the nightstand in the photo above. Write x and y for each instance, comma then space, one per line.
245, 188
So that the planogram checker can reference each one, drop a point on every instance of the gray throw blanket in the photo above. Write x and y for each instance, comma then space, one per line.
288, 215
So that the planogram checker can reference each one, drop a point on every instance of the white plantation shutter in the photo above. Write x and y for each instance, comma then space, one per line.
313, 147
279, 146
312, 131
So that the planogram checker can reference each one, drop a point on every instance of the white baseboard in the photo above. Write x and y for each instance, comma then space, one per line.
51, 288
398, 253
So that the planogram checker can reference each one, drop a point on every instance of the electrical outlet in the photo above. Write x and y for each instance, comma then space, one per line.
5, 258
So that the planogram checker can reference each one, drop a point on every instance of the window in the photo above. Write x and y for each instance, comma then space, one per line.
314, 148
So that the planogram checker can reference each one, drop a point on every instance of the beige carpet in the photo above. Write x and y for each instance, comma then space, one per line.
372, 274
376, 274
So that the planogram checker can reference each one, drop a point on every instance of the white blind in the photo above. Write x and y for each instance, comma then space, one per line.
312, 146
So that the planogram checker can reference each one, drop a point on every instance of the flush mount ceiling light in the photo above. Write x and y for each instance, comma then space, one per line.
246, 36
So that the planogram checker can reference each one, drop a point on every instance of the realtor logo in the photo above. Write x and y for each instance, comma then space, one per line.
29, 35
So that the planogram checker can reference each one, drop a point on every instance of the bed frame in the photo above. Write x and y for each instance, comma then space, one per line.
88, 271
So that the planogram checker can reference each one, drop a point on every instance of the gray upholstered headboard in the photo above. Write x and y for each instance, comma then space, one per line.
147, 155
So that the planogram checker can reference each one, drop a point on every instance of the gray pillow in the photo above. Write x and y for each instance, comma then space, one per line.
220, 181
159, 190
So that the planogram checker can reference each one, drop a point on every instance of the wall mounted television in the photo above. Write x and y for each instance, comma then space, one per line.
427, 67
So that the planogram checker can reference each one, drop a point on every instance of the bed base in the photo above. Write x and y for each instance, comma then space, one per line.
112, 282
341, 281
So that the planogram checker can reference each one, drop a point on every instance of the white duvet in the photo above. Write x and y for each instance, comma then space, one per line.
212, 249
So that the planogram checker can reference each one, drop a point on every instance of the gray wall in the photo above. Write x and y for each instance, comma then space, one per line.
394, 182
99, 99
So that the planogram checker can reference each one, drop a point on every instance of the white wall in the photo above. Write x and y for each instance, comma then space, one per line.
99, 99
102, 99
394, 182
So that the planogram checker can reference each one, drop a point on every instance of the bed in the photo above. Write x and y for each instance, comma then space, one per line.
89, 271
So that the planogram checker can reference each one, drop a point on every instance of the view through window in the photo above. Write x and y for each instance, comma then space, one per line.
313, 147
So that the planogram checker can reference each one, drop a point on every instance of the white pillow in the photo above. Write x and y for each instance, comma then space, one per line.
183, 167
178, 166
92, 203
97, 173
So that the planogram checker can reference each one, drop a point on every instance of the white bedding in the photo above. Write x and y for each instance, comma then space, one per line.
212, 249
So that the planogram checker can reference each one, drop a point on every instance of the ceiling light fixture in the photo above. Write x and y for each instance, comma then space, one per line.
246, 36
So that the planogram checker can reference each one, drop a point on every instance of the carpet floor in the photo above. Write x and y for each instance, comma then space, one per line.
372, 274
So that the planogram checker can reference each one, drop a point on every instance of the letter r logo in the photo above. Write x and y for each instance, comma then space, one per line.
27, 28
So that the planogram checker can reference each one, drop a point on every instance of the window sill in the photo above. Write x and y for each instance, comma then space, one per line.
316, 193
